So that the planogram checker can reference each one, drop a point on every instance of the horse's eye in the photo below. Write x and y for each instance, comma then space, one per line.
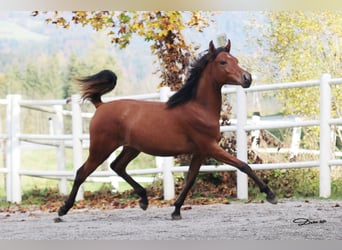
222, 62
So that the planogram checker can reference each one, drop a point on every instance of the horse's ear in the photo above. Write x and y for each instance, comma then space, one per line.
228, 46
211, 47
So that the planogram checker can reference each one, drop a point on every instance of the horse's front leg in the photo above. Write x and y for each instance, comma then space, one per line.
194, 167
219, 154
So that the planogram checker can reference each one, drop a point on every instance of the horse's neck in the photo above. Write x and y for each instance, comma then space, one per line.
209, 96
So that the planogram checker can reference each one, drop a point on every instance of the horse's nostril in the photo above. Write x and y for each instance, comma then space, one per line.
247, 80
247, 77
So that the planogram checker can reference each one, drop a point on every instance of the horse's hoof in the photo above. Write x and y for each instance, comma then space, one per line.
143, 205
272, 199
176, 216
62, 211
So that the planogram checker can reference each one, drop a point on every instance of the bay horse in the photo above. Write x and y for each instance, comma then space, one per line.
188, 123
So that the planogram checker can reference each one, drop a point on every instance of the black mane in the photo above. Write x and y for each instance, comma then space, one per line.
189, 90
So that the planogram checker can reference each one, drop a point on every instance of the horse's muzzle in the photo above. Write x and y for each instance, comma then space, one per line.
247, 80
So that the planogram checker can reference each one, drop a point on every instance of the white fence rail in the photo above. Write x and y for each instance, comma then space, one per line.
78, 140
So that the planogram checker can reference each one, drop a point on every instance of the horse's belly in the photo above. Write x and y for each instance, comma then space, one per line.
161, 144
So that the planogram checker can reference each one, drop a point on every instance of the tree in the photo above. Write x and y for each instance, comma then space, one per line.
163, 29
303, 46
10, 82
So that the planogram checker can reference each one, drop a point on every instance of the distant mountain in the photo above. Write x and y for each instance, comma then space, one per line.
13, 31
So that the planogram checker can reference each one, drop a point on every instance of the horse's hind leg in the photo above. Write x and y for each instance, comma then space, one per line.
82, 173
119, 166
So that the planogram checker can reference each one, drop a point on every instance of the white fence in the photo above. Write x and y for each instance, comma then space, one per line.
78, 139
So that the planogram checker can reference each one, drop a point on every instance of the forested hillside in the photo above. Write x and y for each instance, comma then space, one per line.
38, 60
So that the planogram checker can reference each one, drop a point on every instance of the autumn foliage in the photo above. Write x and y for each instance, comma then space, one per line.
163, 30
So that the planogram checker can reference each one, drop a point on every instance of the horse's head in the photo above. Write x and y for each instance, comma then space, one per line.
226, 69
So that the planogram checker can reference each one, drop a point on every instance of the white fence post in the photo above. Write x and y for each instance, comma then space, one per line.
241, 142
13, 156
77, 130
167, 162
295, 141
168, 181
325, 136
255, 134
58, 129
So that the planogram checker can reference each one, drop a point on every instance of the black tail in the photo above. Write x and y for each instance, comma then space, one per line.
94, 86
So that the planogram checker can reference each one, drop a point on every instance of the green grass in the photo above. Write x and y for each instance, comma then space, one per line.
297, 183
